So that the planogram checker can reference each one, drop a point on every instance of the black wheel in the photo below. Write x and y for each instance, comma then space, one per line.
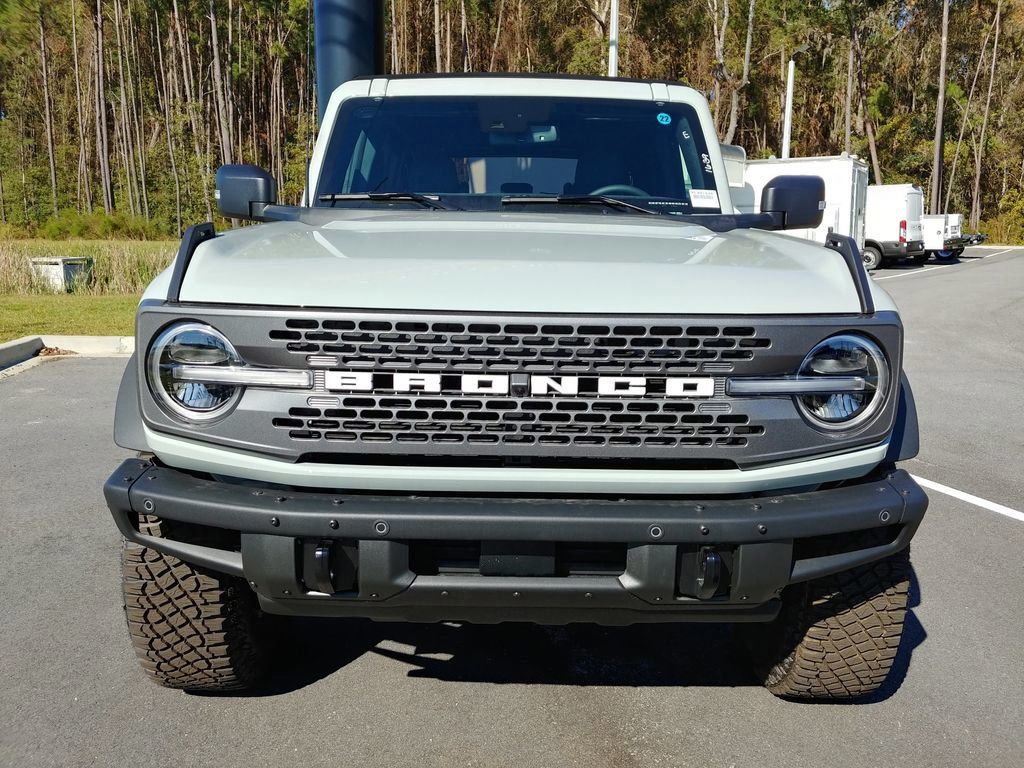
872, 257
835, 637
958, 252
921, 258
191, 628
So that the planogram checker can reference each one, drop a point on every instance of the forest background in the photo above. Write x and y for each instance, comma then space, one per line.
114, 114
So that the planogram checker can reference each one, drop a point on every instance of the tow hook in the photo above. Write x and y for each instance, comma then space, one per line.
709, 573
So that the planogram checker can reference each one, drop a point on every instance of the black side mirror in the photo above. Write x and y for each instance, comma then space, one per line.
794, 202
244, 191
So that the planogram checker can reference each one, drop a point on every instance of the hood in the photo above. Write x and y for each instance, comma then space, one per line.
531, 263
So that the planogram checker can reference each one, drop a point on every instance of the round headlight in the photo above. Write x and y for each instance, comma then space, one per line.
856, 359
174, 354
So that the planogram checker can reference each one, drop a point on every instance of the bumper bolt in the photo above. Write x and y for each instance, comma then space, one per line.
762, 529
444, 593
148, 505
699, 508
704, 530
333, 524
515, 594
337, 502
374, 594
381, 528
275, 522
588, 595
884, 515
257, 493
286, 591
656, 532
756, 507
252, 584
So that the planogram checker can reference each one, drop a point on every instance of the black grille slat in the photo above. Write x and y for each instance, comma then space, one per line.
509, 421
577, 348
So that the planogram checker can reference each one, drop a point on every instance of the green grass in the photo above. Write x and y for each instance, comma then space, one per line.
105, 306
66, 314
119, 266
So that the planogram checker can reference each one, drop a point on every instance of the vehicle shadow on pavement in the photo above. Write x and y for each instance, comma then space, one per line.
576, 654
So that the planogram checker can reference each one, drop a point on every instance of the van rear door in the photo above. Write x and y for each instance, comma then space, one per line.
915, 210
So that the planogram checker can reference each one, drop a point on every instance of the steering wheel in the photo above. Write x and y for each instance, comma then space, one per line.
620, 189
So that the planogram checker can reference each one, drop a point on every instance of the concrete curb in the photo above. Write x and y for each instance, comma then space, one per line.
93, 346
19, 350
13, 353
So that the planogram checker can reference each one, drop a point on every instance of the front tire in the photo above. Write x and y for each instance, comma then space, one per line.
835, 637
872, 257
191, 628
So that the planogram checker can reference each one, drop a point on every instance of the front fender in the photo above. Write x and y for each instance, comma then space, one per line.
128, 431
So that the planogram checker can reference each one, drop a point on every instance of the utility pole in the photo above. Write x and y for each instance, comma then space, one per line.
787, 125
940, 106
613, 40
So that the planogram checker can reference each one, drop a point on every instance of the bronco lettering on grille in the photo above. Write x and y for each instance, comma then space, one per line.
521, 384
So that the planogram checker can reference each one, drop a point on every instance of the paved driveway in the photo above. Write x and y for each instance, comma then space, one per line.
363, 694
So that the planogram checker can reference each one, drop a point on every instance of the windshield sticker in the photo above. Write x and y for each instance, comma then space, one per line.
664, 118
703, 198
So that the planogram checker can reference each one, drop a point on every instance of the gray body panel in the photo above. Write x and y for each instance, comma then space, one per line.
549, 263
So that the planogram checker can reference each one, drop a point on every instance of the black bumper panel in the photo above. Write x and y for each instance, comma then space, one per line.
760, 535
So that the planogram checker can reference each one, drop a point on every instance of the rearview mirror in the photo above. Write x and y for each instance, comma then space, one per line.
244, 191
794, 202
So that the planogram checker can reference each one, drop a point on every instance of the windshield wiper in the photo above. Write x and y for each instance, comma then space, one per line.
609, 202
412, 197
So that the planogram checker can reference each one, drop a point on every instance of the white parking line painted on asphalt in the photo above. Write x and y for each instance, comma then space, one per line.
970, 498
914, 272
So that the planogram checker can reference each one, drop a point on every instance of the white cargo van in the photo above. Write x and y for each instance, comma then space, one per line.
846, 185
942, 235
892, 224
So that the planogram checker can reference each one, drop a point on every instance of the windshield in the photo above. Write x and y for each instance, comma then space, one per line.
485, 152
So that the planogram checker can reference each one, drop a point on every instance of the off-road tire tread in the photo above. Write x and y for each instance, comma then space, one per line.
835, 637
191, 628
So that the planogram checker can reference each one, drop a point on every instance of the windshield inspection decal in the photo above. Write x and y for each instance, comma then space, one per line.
664, 118
703, 198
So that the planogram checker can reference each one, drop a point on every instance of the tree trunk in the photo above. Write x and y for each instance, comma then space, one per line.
869, 125
734, 106
980, 155
940, 107
102, 135
83, 168
47, 113
848, 124
437, 36
223, 119
167, 128
497, 36
963, 120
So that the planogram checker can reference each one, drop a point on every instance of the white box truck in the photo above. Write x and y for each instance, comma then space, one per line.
846, 185
892, 224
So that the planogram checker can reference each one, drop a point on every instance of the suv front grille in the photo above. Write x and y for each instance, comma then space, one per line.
497, 347
507, 421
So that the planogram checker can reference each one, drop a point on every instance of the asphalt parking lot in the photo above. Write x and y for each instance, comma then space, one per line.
362, 694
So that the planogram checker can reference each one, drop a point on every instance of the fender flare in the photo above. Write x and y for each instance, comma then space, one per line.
128, 431
905, 441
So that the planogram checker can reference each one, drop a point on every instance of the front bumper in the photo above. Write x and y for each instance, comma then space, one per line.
276, 539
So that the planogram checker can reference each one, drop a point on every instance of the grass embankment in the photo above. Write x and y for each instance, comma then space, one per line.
104, 306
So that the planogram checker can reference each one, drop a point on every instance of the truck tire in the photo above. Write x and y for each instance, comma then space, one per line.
872, 257
191, 628
922, 258
835, 637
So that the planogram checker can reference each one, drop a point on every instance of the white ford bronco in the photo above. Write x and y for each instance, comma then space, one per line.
517, 358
